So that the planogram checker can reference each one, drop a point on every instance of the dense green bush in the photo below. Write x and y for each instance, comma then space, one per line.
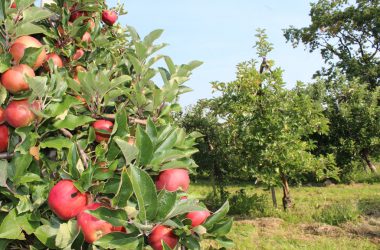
337, 213
256, 205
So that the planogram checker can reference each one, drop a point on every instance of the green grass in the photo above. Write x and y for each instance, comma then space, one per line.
286, 230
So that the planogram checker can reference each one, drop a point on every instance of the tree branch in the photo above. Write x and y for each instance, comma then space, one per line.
83, 156
6, 156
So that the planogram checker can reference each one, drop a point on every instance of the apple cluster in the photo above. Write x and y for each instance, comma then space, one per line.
77, 203
19, 111
65, 199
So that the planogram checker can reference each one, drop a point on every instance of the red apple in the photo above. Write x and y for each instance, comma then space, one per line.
94, 228
13, 5
162, 233
78, 54
86, 37
13, 79
103, 128
76, 14
109, 17
57, 61
20, 44
65, 200
4, 138
2, 116
173, 179
198, 217
19, 113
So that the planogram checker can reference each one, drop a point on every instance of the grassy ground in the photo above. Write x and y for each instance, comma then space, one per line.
301, 228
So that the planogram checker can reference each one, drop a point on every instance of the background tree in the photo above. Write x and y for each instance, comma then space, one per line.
270, 125
354, 116
347, 36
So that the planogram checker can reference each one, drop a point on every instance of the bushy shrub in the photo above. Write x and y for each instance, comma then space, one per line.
241, 203
338, 213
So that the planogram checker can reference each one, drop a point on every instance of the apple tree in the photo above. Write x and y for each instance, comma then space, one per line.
90, 155
270, 124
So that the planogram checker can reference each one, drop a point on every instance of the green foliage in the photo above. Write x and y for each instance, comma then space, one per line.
346, 33
113, 81
337, 213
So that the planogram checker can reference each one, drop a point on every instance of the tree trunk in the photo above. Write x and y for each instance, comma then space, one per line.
274, 199
286, 199
369, 163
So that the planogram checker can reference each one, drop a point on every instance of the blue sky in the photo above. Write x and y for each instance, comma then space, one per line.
221, 34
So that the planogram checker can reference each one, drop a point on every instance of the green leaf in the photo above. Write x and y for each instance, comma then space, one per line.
3, 173
145, 192
145, 146
169, 142
38, 85
5, 62
152, 36
166, 202
47, 234
220, 229
71, 122
30, 55
67, 233
124, 191
21, 164
28, 29
117, 241
217, 216
56, 109
130, 152
225, 242
19, 223
185, 207
117, 217
57, 143
191, 242
3, 94
35, 14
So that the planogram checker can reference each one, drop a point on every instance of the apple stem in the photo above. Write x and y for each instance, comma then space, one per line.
82, 154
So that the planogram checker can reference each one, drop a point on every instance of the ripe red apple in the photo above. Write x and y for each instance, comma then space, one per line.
86, 37
198, 217
13, 6
109, 17
4, 138
76, 14
78, 54
13, 79
20, 44
57, 61
163, 233
65, 200
173, 179
103, 128
19, 113
94, 228
2, 116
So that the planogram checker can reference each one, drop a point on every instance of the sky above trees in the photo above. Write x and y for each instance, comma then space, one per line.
221, 34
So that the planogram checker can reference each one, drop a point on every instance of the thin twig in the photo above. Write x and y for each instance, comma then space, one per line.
6, 156
82, 154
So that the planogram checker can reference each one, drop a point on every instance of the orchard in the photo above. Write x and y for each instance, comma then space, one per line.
90, 155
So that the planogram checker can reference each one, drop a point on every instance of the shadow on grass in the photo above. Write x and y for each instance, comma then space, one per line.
370, 207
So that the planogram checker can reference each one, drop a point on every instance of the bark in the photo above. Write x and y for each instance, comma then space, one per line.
286, 199
370, 165
274, 199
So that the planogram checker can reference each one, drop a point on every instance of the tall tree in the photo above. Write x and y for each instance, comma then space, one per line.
270, 125
347, 35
